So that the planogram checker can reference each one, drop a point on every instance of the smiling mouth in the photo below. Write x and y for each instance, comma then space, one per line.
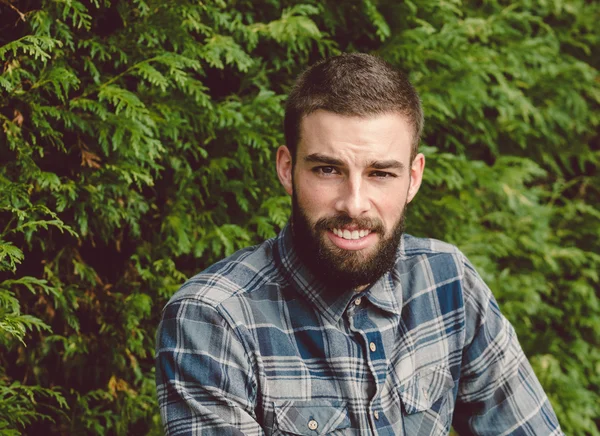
350, 234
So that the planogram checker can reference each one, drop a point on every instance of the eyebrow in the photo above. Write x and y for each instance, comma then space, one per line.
386, 165
375, 164
324, 159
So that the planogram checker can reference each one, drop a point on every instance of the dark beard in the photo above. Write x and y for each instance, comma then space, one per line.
340, 269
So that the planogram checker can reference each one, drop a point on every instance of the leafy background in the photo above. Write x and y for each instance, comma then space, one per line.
137, 148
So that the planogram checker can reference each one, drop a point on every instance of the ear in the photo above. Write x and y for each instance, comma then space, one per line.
416, 176
284, 168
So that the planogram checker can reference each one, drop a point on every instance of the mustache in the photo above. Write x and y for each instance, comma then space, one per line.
374, 225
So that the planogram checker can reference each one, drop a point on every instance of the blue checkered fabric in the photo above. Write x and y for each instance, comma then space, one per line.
255, 345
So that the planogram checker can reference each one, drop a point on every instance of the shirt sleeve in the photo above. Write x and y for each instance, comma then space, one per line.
498, 393
204, 377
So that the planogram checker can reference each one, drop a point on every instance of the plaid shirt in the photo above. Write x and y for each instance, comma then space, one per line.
254, 346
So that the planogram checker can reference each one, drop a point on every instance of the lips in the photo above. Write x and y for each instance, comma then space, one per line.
350, 234
351, 240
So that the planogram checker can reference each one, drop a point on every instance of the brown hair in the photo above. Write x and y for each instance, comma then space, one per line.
352, 84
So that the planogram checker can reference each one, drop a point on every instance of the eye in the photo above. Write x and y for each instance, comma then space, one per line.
382, 174
325, 171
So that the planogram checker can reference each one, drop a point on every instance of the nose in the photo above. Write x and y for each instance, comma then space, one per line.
353, 198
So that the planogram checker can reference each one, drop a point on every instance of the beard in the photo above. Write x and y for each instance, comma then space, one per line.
341, 269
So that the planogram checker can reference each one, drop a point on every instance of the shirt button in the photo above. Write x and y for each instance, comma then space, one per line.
312, 424
357, 302
376, 414
373, 347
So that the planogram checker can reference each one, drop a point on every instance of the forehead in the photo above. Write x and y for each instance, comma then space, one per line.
353, 138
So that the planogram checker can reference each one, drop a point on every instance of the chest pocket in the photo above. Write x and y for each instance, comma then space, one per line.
310, 417
430, 391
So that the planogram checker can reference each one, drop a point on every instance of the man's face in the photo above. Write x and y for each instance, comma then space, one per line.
350, 184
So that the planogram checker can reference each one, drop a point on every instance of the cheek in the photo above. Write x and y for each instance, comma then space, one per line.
314, 197
390, 205
314, 203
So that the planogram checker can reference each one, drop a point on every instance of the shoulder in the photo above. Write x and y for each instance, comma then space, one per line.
244, 272
437, 256
425, 265
412, 245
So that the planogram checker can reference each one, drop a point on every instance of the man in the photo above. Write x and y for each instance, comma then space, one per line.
343, 324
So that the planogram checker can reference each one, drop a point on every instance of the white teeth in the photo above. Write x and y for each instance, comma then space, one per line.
347, 234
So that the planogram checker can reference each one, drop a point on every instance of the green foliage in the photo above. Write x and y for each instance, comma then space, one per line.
137, 148
511, 96
17, 406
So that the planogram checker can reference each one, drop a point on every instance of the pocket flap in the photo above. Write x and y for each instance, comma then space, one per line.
425, 388
311, 417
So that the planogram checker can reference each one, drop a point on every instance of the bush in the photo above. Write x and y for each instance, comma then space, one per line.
137, 148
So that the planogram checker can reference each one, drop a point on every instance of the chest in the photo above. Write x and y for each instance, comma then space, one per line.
373, 372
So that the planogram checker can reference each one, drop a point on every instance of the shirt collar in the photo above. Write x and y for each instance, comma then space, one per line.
329, 304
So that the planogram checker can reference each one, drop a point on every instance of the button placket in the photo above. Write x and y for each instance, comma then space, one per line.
360, 322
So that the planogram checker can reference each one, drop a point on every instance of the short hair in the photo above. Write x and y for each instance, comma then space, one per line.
352, 84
